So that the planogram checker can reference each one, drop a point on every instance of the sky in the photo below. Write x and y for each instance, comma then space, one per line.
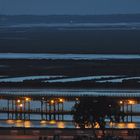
80, 7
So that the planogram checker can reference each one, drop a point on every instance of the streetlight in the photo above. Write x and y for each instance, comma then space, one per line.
77, 99
18, 101
131, 102
27, 99
52, 101
61, 100
121, 102
21, 105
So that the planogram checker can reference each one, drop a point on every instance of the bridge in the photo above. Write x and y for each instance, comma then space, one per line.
51, 103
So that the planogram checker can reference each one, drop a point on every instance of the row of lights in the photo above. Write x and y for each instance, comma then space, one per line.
131, 102
19, 101
60, 100
52, 101
56, 100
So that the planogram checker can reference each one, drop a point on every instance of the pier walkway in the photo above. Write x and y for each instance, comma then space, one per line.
54, 103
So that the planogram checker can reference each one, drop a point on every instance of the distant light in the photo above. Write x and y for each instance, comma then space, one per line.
18, 101
77, 99
21, 105
52, 101
61, 100
52, 122
10, 121
27, 124
27, 99
121, 102
61, 125
131, 102
43, 122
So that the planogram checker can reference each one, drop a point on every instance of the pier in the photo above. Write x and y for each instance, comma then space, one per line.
22, 104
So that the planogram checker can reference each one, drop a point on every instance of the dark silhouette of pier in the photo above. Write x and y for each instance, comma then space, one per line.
51, 106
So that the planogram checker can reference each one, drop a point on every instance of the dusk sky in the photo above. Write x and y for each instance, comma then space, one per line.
47, 7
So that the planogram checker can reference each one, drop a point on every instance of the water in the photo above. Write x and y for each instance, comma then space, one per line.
68, 123
119, 80
64, 79
60, 124
68, 56
43, 123
21, 79
75, 79
117, 25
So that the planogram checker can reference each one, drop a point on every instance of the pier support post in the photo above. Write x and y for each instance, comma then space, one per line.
46, 109
16, 113
50, 111
8, 104
29, 110
12, 109
58, 109
127, 112
123, 111
41, 110
54, 111
62, 111
131, 113
24, 110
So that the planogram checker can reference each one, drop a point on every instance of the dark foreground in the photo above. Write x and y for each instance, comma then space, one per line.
65, 134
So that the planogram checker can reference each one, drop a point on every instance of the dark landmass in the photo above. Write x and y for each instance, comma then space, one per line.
69, 40
43, 40
22, 39
83, 84
71, 68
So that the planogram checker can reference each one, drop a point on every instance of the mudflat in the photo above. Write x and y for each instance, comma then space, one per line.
69, 40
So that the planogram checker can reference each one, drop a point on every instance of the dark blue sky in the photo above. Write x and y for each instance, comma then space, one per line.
69, 6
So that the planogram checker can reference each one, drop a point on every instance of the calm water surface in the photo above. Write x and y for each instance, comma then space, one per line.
68, 56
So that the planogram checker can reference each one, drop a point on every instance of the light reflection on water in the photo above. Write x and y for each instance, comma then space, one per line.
10, 121
19, 123
61, 124
123, 125
67, 106
28, 124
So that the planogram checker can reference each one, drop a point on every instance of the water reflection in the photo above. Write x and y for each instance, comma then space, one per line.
19, 123
10, 122
52, 122
61, 124
27, 124
123, 125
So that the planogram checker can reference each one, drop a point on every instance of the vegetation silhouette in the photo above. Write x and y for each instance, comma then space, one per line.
92, 112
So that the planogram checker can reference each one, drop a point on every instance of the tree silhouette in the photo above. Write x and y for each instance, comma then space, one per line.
89, 112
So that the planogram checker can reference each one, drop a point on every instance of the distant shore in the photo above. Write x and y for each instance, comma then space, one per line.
54, 40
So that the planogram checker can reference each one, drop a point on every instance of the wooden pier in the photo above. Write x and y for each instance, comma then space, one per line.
19, 105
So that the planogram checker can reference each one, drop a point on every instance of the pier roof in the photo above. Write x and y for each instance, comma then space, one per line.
68, 93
